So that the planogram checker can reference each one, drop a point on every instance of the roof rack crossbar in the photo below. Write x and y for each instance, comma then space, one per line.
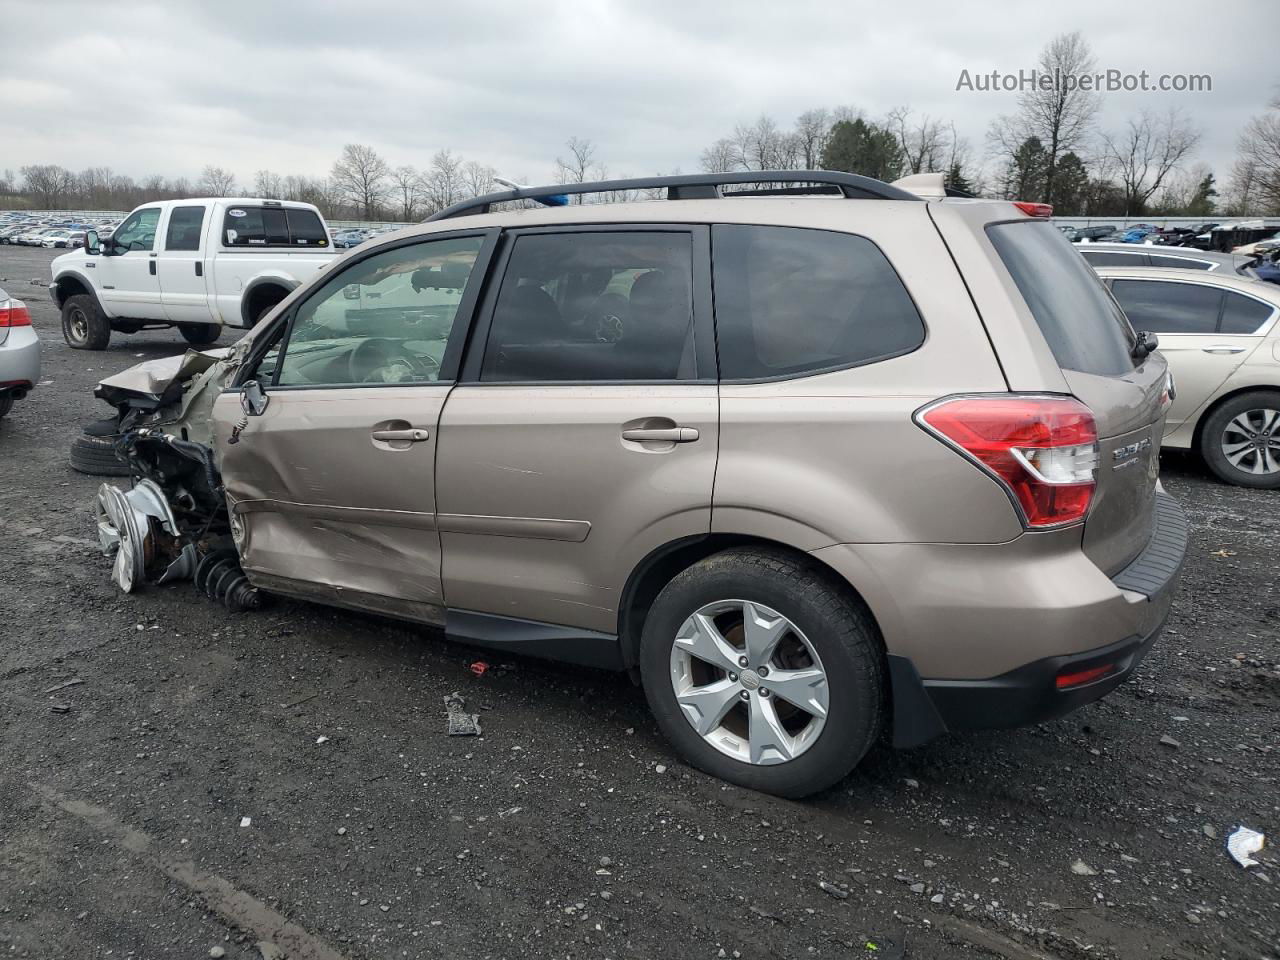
694, 186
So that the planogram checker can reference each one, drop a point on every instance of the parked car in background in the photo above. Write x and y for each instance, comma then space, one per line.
794, 534
198, 265
1219, 335
55, 238
1071, 233
19, 352
1260, 247
1096, 232
76, 238
1174, 258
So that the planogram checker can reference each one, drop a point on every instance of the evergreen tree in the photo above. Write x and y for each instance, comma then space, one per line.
860, 147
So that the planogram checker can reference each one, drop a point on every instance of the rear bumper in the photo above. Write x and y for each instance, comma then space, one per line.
19, 360
1037, 624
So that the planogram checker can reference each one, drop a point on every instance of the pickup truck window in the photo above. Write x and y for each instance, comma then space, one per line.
139, 231
184, 228
272, 227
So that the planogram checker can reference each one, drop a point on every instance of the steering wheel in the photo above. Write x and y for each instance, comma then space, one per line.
387, 361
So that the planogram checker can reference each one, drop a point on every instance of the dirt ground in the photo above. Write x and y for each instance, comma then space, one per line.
177, 781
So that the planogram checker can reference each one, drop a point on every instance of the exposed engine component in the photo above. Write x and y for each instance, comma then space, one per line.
220, 578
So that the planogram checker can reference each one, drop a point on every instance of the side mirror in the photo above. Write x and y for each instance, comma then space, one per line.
1146, 343
91, 245
253, 398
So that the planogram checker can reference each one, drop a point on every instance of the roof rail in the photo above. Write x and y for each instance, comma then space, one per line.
695, 186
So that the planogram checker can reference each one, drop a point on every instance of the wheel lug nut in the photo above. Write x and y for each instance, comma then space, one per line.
744, 695
763, 671
764, 691
742, 661
733, 678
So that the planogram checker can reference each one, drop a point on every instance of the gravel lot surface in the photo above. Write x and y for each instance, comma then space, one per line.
176, 781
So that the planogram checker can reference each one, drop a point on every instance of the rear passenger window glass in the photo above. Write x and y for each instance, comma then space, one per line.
1241, 314
272, 227
184, 228
1079, 321
1179, 263
1164, 307
1112, 258
593, 306
791, 302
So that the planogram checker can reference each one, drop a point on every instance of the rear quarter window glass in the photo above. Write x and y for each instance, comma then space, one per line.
1179, 263
1081, 324
1161, 306
248, 226
1245, 315
791, 302
1112, 258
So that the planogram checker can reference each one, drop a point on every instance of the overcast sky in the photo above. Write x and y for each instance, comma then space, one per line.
169, 87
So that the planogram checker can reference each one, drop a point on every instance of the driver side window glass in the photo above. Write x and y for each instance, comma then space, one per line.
383, 320
139, 231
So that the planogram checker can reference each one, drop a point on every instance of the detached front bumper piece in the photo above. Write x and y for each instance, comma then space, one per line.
1051, 686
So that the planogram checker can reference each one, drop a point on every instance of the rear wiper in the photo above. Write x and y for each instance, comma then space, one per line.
1143, 345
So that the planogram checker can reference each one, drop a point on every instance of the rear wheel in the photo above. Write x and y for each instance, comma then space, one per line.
1240, 440
6, 404
96, 456
84, 326
200, 333
760, 670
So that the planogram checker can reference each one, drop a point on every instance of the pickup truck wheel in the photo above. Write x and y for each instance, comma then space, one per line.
200, 333
84, 326
762, 671
6, 404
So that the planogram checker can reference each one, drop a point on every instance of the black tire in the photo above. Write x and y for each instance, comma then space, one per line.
96, 456
84, 326
841, 631
1218, 428
200, 334
6, 404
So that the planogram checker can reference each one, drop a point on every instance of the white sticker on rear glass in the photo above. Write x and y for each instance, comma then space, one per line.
236, 212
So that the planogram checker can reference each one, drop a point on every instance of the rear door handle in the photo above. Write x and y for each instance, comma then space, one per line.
663, 434
1224, 348
414, 435
152, 264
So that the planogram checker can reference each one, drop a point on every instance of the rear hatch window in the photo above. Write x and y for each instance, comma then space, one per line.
1084, 328
272, 227
1092, 341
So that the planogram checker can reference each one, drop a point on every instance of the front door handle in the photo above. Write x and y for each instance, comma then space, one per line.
152, 264
413, 435
1224, 348
662, 434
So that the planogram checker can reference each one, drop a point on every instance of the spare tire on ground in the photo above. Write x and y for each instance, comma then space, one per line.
96, 456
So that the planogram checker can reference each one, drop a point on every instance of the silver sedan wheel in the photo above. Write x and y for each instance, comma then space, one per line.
1251, 441
749, 682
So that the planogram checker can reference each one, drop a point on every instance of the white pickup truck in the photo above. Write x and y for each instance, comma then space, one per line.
197, 265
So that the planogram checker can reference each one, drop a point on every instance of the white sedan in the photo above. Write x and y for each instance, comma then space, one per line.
1220, 335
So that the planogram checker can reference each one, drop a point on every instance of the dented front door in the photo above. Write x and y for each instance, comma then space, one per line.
332, 487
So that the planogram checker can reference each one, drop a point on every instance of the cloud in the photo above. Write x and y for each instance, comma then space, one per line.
169, 87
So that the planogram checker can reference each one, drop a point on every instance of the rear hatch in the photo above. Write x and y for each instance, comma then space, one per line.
1092, 343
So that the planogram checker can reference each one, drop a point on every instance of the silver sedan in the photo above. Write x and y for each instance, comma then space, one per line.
19, 352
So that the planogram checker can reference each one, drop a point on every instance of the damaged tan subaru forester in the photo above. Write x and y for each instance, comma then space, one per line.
813, 456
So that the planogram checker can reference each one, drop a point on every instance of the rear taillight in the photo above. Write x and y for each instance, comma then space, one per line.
13, 313
1038, 210
1043, 450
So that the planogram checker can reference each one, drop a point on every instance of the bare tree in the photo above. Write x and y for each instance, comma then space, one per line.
445, 179
576, 167
812, 129
216, 182
1146, 152
49, 184
762, 146
360, 176
269, 185
924, 143
477, 179
1255, 178
408, 186
720, 157
1060, 115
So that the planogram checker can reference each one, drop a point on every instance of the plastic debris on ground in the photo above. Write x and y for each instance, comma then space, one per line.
461, 723
1244, 842
479, 668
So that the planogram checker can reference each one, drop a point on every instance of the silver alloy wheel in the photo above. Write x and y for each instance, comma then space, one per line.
749, 682
79, 325
1251, 441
